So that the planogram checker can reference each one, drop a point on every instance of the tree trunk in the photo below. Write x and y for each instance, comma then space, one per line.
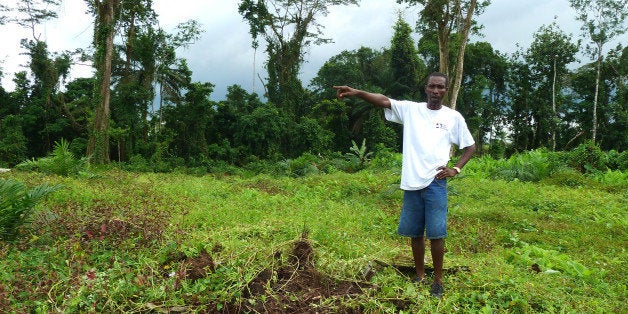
460, 62
597, 91
444, 30
443, 50
129, 45
554, 108
98, 145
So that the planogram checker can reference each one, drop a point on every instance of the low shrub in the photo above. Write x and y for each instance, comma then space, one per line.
60, 162
385, 158
612, 180
587, 157
156, 163
570, 177
359, 157
137, 163
16, 205
12, 141
302, 166
531, 166
617, 161
481, 166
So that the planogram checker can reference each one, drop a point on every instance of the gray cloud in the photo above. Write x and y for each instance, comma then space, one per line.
224, 57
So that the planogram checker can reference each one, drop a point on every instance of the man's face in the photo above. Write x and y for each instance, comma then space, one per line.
435, 89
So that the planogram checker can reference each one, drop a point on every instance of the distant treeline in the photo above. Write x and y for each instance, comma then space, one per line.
512, 103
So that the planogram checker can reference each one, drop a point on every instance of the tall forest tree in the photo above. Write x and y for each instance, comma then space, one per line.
453, 21
602, 21
39, 104
519, 92
133, 92
616, 132
405, 65
354, 119
44, 105
34, 12
190, 121
288, 28
613, 107
148, 73
104, 31
171, 74
133, 15
132, 76
548, 56
225, 125
483, 100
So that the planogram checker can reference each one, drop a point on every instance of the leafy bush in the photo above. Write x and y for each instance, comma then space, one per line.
302, 166
613, 180
156, 163
481, 166
497, 149
617, 161
587, 157
137, 163
531, 166
16, 204
61, 162
224, 152
254, 168
547, 260
78, 146
12, 141
358, 156
386, 158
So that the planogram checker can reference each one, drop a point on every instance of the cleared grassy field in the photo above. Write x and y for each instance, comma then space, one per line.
128, 242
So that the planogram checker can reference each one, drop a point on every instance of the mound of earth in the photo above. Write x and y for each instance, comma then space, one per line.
297, 287
291, 285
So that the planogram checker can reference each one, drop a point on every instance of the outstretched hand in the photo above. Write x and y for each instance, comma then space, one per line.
375, 99
344, 91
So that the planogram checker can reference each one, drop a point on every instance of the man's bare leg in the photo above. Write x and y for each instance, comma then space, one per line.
437, 247
418, 252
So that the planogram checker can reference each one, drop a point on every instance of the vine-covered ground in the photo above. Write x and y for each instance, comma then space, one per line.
159, 243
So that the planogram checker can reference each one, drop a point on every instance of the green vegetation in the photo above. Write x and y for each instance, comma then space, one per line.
258, 203
154, 116
60, 162
16, 205
157, 242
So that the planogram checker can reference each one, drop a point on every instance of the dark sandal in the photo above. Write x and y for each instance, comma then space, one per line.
436, 290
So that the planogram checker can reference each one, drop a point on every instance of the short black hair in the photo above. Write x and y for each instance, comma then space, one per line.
438, 74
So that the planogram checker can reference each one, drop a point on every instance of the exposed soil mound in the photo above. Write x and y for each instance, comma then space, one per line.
302, 254
297, 287
291, 285
197, 267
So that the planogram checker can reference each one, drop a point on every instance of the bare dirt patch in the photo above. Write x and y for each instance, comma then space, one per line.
291, 285
298, 287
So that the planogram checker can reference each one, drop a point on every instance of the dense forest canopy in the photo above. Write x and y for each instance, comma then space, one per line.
142, 104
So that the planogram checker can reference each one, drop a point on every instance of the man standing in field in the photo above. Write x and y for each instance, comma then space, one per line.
429, 130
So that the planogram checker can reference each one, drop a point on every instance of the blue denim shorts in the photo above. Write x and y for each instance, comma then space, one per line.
425, 212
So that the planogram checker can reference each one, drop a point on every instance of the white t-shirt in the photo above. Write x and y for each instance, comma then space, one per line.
427, 138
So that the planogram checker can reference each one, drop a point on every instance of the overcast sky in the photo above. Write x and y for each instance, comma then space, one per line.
224, 57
